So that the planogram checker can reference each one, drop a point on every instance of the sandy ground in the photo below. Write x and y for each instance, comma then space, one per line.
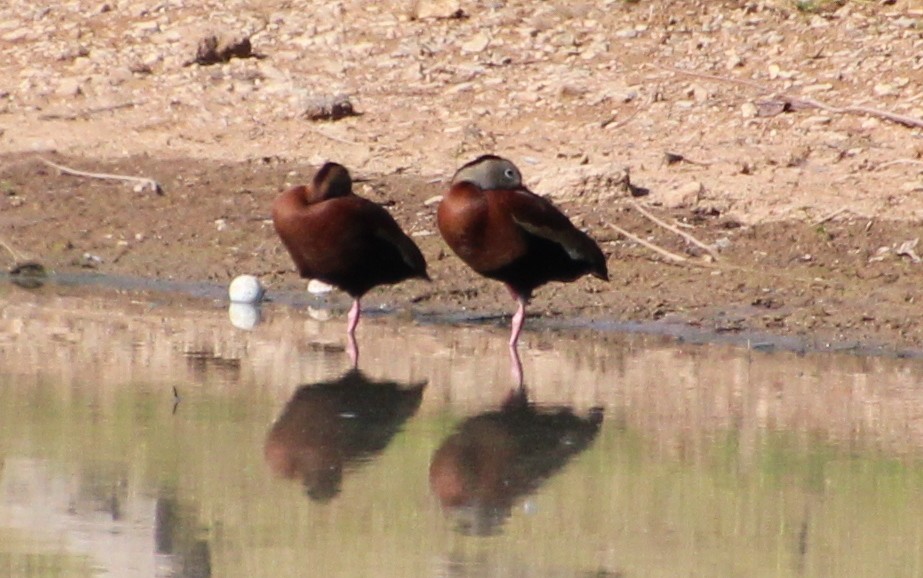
799, 129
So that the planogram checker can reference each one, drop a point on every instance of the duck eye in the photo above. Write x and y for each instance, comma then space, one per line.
508, 173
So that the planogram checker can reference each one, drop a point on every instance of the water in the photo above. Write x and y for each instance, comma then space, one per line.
634, 456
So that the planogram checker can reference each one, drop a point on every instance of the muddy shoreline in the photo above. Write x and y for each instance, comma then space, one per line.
840, 281
814, 212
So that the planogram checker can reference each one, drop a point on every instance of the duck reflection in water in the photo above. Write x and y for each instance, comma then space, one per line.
495, 457
329, 426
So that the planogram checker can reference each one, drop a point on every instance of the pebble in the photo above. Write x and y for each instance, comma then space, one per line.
318, 287
246, 289
683, 196
437, 9
69, 87
327, 107
884, 89
16, 35
477, 43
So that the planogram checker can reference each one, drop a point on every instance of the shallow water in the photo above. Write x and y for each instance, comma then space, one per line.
147, 436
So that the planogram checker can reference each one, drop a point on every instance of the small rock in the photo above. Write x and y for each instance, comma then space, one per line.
432, 200
817, 120
221, 47
438, 9
686, 195
907, 249
824, 87
69, 87
884, 89
246, 289
586, 183
90, 261
221, 225
477, 43
748, 110
818, 21
28, 274
16, 35
317, 287
331, 107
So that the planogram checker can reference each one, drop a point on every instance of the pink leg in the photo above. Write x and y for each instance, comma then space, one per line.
515, 366
352, 348
518, 318
353, 319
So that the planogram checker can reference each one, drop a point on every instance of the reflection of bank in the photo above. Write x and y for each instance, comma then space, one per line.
330, 426
494, 458
177, 535
96, 519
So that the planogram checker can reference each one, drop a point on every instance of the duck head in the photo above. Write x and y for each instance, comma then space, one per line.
331, 181
489, 172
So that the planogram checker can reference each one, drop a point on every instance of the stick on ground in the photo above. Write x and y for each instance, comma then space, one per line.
683, 234
659, 250
144, 181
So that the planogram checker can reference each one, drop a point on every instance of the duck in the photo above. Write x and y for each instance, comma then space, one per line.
504, 231
347, 241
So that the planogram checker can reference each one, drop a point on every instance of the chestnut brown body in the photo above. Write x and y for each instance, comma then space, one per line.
504, 231
342, 239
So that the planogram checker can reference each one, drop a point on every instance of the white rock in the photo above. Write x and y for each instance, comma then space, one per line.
69, 87
318, 287
884, 89
477, 43
585, 183
436, 8
246, 289
686, 195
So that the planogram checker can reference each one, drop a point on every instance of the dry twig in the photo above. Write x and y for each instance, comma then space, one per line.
88, 112
144, 181
830, 216
683, 234
899, 162
657, 249
17, 256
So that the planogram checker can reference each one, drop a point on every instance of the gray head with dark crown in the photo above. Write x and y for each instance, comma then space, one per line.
489, 172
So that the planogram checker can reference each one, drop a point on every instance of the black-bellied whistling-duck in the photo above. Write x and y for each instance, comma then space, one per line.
343, 239
504, 231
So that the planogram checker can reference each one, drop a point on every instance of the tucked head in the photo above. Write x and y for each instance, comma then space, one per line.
489, 172
332, 180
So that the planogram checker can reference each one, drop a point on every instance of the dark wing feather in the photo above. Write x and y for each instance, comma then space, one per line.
539, 217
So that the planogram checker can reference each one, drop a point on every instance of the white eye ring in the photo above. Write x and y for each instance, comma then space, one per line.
508, 173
